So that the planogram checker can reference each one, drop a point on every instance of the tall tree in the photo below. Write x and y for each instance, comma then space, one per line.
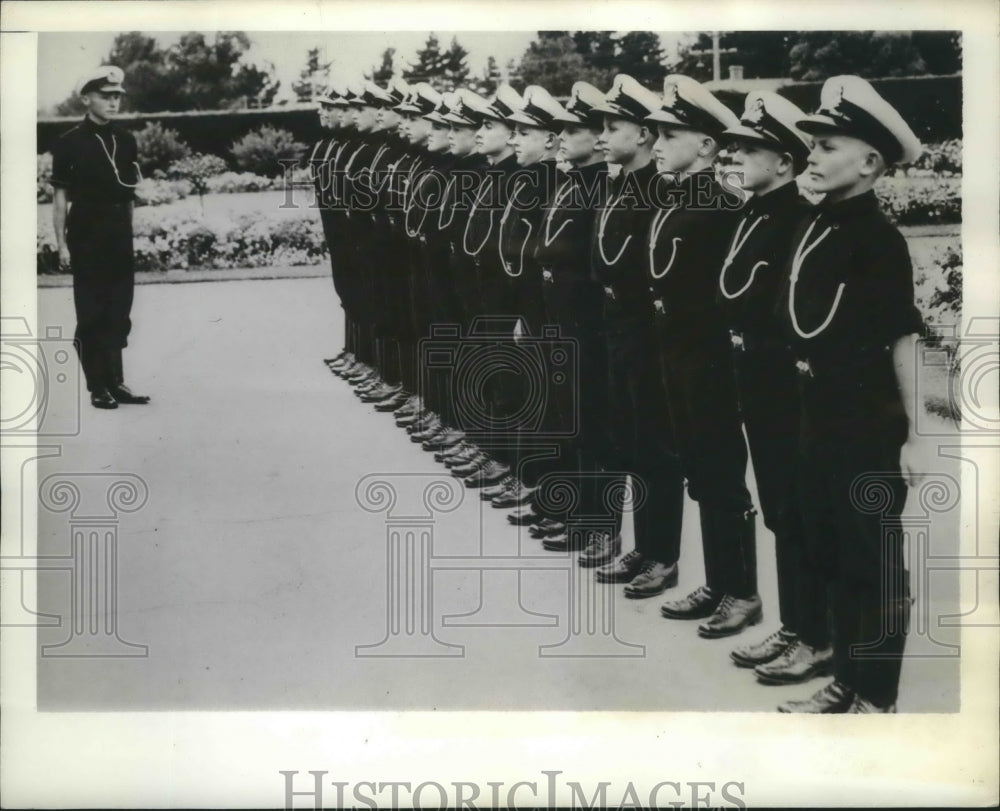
313, 77
215, 75
455, 71
817, 55
554, 62
385, 71
598, 48
640, 55
152, 85
430, 64
941, 50
191, 75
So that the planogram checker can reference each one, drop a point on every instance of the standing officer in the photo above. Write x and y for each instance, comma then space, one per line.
573, 301
687, 243
849, 312
479, 242
95, 171
767, 152
320, 158
639, 424
535, 142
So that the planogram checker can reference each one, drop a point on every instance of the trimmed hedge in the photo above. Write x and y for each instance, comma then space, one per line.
931, 105
208, 131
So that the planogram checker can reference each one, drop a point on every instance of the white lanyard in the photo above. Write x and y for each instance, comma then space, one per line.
603, 221
412, 232
445, 197
738, 242
114, 167
654, 235
472, 213
800, 254
556, 203
503, 221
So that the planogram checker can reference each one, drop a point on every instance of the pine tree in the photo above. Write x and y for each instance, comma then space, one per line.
312, 78
456, 71
430, 64
384, 72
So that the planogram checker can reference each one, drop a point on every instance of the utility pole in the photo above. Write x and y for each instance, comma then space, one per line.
717, 53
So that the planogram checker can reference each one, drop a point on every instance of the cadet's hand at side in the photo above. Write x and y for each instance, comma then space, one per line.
912, 461
63, 258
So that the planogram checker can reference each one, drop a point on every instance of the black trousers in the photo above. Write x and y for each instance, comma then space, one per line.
769, 399
707, 430
99, 238
641, 443
852, 495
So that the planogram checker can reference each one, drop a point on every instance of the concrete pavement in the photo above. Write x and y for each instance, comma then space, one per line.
253, 573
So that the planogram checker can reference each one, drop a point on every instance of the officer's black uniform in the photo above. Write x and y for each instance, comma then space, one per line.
574, 302
494, 299
535, 453
848, 299
687, 246
97, 166
750, 282
639, 422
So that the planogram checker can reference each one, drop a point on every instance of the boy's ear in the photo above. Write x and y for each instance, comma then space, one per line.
644, 134
709, 147
873, 163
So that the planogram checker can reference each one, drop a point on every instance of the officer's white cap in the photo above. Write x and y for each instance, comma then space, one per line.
769, 119
629, 100
538, 110
688, 105
506, 101
851, 106
584, 99
106, 79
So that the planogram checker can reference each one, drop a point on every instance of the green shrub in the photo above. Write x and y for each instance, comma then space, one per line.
159, 147
908, 201
159, 192
197, 169
263, 151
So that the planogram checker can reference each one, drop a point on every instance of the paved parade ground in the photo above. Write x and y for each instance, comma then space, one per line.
253, 561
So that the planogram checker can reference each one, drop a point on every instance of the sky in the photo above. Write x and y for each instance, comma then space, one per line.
63, 57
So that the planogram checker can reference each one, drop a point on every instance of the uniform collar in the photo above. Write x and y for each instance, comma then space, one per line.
859, 205
785, 197
92, 125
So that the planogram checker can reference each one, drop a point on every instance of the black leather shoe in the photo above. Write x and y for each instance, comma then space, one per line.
410, 408
547, 527
102, 399
465, 458
122, 394
834, 698
392, 403
383, 393
490, 473
370, 393
446, 439
459, 450
799, 662
621, 570
513, 496
767, 650
863, 705
601, 548
495, 490
431, 428
699, 604
407, 421
423, 422
476, 463
653, 578
731, 616
524, 517
570, 541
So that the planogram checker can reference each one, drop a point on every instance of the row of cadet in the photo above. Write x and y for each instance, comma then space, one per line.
682, 312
